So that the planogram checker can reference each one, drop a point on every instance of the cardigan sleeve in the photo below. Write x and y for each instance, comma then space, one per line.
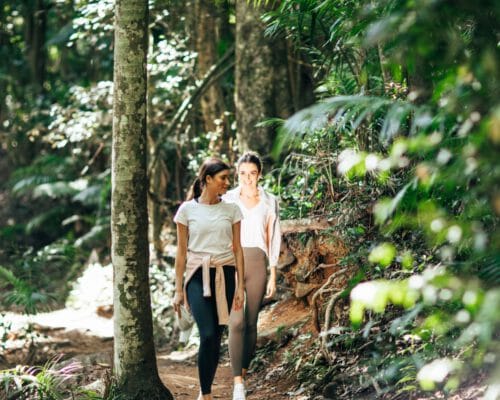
275, 241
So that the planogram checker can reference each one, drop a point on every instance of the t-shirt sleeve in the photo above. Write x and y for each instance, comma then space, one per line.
181, 215
237, 215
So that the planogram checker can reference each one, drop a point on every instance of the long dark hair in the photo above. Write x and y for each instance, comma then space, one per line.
210, 167
251, 157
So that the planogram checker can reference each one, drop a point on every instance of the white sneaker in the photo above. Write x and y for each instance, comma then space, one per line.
239, 391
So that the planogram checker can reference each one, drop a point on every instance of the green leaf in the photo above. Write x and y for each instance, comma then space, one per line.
383, 254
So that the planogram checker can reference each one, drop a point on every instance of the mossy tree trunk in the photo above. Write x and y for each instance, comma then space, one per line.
207, 15
134, 352
261, 78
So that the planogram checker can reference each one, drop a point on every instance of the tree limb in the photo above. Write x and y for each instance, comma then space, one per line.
210, 77
305, 224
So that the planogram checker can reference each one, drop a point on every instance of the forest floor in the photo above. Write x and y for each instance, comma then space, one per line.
84, 333
87, 338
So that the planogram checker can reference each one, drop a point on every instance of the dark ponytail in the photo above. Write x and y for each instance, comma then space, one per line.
210, 167
195, 190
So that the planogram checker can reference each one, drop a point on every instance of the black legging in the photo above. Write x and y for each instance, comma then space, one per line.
204, 311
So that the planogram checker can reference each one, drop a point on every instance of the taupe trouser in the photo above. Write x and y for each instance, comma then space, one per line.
243, 323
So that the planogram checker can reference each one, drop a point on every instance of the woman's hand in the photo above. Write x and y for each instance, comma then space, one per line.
271, 289
271, 284
239, 298
178, 301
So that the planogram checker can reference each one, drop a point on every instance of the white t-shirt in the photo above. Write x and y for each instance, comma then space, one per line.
256, 221
210, 227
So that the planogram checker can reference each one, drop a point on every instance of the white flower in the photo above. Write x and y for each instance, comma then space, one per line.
365, 293
437, 225
454, 234
437, 370
371, 162
463, 317
443, 156
416, 282
347, 159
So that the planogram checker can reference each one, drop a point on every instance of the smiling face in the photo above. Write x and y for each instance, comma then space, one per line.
219, 183
248, 175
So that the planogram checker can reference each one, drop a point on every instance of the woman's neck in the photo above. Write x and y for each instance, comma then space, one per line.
208, 198
249, 192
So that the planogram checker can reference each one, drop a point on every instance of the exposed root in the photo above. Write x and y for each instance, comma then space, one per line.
320, 292
326, 326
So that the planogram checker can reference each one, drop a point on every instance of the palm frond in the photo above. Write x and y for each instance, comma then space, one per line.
89, 196
96, 237
47, 218
40, 382
490, 270
49, 165
58, 189
348, 112
21, 293
26, 185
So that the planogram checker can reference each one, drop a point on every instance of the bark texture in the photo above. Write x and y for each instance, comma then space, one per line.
134, 353
210, 33
262, 80
35, 32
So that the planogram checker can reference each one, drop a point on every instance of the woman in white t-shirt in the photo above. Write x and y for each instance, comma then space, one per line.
260, 239
209, 255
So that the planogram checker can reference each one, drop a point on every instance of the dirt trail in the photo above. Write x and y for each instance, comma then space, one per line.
181, 377
87, 337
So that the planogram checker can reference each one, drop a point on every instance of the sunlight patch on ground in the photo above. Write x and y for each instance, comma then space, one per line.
93, 289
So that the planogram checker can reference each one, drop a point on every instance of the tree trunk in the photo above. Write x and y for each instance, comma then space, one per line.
134, 352
261, 78
207, 15
4, 51
35, 30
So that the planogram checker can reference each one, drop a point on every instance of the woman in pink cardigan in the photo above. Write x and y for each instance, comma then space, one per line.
209, 256
260, 239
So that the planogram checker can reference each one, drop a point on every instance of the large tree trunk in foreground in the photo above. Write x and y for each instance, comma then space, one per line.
134, 352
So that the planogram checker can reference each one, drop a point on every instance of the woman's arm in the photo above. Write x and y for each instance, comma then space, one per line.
271, 283
180, 266
273, 231
240, 267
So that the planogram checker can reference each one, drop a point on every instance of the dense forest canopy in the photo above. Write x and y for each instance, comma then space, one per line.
381, 116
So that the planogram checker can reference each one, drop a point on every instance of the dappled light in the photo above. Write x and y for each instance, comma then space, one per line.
376, 199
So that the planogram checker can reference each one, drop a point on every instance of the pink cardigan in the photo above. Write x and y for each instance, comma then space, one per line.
206, 261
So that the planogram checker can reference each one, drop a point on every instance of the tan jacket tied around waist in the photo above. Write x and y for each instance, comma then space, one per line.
206, 261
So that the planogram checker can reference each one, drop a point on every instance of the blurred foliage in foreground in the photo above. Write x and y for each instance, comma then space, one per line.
409, 126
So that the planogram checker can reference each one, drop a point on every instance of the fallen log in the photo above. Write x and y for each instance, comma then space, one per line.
305, 224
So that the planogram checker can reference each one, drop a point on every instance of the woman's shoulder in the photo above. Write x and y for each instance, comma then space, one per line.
232, 195
185, 205
230, 205
268, 197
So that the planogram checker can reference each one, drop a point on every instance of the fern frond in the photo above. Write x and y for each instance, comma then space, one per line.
21, 294
51, 216
40, 382
490, 270
89, 196
348, 112
96, 237
25, 185
55, 190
